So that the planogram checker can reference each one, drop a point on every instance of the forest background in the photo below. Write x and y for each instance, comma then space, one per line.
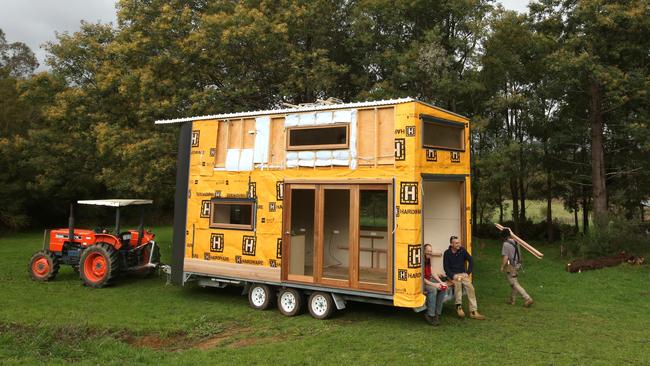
558, 98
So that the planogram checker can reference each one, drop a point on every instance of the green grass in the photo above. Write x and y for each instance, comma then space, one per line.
596, 317
536, 212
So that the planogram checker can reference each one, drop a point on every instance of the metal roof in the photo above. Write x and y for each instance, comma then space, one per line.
310, 108
115, 202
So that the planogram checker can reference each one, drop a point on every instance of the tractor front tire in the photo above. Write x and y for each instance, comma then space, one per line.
43, 266
98, 265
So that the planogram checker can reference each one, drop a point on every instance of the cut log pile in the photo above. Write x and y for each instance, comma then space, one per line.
580, 265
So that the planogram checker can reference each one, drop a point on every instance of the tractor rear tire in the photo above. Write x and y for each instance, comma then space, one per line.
43, 266
98, 265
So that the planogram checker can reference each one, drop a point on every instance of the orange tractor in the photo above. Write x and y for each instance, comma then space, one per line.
98, 255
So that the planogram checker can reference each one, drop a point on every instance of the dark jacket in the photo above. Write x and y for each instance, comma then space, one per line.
454, 263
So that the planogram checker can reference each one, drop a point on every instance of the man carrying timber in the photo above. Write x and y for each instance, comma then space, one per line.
511, 264
454, 260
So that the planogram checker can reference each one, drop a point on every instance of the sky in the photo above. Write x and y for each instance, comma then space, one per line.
34, 22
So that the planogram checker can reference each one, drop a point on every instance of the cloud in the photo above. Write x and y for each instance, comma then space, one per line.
34, 22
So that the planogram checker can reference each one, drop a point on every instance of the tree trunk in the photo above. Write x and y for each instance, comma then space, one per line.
515, 203
522, 205
597, 151
575, 217
549, 212
585, 215
475, 198
501, 210
500, 204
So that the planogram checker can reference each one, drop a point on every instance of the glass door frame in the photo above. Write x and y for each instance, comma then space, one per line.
353, 281
286, 233
388, 287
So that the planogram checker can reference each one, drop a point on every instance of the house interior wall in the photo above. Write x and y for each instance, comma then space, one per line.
441, 216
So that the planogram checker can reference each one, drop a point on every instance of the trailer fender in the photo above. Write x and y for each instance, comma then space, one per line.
339, 301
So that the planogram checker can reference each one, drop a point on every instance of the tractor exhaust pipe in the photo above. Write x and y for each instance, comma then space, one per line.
71, 224
117, 221
141, 227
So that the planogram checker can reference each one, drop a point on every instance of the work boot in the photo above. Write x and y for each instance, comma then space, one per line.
436, 320
475, 315
510, 301
528, 302
459, 311
432, 320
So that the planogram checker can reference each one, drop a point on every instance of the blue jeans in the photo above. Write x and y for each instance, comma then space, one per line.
434, 301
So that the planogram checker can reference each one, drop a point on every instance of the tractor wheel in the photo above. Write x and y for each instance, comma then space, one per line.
98, 265
43, 266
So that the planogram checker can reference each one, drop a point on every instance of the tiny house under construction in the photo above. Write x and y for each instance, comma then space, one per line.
329, 200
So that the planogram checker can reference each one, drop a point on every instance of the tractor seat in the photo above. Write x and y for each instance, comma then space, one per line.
125, 238
100, 230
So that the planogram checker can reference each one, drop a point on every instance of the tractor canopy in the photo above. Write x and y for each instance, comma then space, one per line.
115, 202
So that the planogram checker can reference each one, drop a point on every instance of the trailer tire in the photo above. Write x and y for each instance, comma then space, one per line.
290, 301
321, 305
43, 266
260, 296
98, 265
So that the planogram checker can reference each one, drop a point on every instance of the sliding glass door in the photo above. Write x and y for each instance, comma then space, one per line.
339, 235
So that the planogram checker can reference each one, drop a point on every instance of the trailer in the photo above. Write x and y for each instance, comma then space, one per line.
319, 204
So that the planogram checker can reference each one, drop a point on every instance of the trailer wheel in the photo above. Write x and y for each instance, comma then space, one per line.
98, 265
260, 296
290, 301
43, 266
321, 305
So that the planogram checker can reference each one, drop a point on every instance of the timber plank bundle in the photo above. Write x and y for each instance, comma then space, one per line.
522, 242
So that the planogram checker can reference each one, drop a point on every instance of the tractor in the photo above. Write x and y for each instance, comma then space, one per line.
98, 255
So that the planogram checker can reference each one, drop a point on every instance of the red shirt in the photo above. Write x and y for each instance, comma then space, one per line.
427, 269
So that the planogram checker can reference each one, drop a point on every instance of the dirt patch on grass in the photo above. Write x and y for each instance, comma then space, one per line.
172, 342
231, 337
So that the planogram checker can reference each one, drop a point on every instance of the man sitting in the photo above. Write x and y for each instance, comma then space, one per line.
435, 289
453, 261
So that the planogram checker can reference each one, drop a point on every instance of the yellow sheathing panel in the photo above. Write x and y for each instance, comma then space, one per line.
256, 254
408, 233
204, 143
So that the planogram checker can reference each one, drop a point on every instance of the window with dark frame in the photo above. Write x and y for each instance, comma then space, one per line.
318, 138
442, 134
232, 214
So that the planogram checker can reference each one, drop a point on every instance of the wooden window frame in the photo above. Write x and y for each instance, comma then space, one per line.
233, 201
446, 123
319, 147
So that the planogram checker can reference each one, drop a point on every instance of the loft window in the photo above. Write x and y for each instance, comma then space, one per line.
317, 138
232, 214
442, 134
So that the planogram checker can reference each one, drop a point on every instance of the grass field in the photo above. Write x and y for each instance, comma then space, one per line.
592, 318
536, 212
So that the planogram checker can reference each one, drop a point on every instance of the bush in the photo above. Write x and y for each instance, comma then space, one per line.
615, 236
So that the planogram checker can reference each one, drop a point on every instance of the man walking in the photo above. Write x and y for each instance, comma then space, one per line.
454, 260
511, 264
